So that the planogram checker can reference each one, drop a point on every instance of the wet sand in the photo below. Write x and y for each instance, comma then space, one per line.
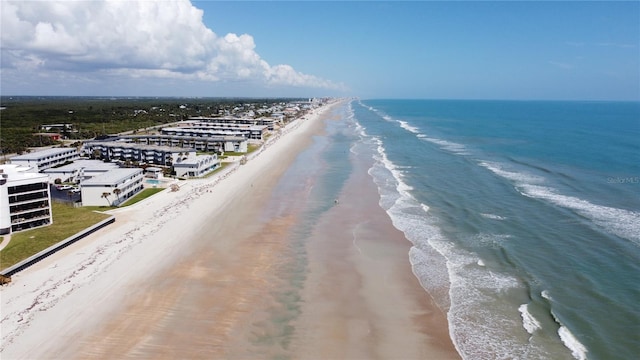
361, 299
237, 284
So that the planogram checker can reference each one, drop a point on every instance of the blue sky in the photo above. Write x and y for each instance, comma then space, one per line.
453, 50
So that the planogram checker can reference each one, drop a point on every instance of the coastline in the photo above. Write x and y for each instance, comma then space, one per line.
361, 299
157, 271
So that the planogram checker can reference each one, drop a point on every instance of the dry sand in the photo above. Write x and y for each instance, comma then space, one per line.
204, 273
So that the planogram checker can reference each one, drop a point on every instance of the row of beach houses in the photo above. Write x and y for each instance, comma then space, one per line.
113, 169
118, 166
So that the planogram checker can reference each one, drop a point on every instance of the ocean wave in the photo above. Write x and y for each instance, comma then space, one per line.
450, 146
456, 279
578, 350
623, 223
529, 322
405, 125
493, 216
515, 176
481, 324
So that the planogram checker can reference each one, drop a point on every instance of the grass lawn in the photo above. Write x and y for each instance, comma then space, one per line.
218, 169
137, 198
67, 221
142, 195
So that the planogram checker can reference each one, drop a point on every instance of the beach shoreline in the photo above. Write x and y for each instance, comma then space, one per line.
156, 271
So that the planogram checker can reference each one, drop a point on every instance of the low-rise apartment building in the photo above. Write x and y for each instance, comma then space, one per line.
208, 144
269, 123
195, 166
79, 170
148, 154
25, 200
248, 131
45, 159
111, 188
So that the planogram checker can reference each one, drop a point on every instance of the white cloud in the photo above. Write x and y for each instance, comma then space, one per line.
155, 39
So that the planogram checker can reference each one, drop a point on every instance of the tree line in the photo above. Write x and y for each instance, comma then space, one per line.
21, 117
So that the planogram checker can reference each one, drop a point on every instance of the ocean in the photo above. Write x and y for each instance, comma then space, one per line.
524, 218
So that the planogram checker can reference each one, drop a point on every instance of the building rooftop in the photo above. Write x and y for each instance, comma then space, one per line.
227, 132
111, 177
95, 165
15, 172
128, 145
180, 137
37, 155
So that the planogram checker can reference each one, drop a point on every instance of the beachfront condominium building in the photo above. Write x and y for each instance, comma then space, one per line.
78, 171
212, 129
111, 188
209, 144
147, 154
45, 159
269, 123
195, 166
25, 200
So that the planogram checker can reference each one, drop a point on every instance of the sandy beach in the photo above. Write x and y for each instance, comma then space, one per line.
233, 267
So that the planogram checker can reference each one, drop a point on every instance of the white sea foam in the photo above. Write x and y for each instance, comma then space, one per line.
480, 323
578, 350
493, 216
529, 322
569, 340
447, 145
405, 125
450, 275
623, 223
517, 177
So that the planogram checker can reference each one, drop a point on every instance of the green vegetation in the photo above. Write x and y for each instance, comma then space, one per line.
142, 195
95, 116
250, 148
67, 221
217, 170
253, 147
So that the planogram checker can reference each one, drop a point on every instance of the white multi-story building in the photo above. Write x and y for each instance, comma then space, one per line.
149, 154
79, 170
210, 144
45, 159
195, 166
211, 129
25, 201
269, 123
111, 188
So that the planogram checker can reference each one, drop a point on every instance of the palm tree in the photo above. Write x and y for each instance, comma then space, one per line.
106, 196
117, 192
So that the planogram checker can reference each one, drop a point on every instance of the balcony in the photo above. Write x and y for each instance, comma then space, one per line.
23, 220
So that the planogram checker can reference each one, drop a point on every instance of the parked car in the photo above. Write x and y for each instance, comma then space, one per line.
75, 190
64, 187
